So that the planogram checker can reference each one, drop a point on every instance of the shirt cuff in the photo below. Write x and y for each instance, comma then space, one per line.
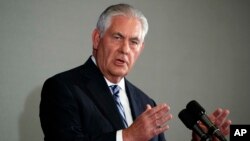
119, 135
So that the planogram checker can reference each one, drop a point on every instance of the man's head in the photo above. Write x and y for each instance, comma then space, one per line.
121, 9
118, 40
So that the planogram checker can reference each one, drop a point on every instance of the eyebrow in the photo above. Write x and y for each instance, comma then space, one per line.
121, 35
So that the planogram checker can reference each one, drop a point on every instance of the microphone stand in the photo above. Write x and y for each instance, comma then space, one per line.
206, 138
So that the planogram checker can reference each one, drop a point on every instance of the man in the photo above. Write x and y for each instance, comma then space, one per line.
95, 102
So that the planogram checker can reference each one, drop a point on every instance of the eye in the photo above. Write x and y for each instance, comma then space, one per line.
117, 37
135, 42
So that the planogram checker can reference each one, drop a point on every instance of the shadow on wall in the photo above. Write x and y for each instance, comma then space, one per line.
29, 122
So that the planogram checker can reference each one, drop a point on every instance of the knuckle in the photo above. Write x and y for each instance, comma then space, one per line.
154, 132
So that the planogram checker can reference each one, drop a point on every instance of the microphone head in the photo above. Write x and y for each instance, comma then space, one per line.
199, 113
195, 108
187, 118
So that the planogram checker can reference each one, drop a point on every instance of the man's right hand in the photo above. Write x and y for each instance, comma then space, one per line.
149, 124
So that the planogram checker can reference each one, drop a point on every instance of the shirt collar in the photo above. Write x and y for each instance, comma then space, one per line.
121, 84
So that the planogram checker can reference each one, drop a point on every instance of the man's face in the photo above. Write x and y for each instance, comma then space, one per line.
119, 47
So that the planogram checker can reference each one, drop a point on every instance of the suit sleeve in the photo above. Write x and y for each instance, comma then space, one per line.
59, 115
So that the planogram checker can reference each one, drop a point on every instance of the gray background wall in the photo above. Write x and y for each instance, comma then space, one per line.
195, 49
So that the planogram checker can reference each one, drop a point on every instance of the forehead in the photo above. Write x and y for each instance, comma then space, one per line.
128, 26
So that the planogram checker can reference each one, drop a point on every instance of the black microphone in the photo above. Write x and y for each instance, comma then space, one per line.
190, 122
199, 113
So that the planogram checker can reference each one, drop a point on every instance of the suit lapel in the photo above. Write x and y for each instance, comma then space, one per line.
135, 106
101, 95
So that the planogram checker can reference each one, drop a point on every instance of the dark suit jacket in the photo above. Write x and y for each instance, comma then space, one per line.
77, 105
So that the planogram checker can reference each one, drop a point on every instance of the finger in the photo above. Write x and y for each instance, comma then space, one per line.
161, 121
217, 112
225, 132
225, 127
159, 130
147, 111
226, 124
148, 107
161, 117
163, 109
152, 111
162, 112
221, 118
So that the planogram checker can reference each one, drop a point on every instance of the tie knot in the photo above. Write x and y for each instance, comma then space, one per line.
114, 89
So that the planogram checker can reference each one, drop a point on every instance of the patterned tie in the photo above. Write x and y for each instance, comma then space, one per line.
115, 89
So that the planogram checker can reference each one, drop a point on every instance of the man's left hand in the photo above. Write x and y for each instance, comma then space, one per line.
220, 118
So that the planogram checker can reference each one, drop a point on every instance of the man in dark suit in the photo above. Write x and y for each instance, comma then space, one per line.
95, 102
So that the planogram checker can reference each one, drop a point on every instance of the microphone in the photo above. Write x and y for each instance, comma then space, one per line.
190, 122
199, 113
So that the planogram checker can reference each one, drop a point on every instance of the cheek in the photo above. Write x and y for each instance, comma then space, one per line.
105, 52
108, 56
134, 57
108, 50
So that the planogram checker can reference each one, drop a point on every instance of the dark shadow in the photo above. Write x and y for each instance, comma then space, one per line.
29, 123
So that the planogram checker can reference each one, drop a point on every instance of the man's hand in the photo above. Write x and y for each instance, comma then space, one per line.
219, 118
149, 124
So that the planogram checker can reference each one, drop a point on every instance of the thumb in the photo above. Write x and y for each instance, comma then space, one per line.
148, 107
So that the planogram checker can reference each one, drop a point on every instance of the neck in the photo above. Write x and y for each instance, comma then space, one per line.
114, 80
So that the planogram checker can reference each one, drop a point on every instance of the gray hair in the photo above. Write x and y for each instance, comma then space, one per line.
121, 9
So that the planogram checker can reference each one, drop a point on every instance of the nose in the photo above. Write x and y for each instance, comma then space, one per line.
125, 47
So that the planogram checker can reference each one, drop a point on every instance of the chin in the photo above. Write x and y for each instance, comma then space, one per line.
121, 73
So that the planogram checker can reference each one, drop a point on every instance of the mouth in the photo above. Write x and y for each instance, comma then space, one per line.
120, 62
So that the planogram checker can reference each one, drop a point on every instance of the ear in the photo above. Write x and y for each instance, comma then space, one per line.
95, 38
142, 47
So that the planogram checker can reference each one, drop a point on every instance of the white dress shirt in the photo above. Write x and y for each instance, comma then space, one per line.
124, 101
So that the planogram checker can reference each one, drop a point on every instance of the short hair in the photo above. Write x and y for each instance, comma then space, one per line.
121, 9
